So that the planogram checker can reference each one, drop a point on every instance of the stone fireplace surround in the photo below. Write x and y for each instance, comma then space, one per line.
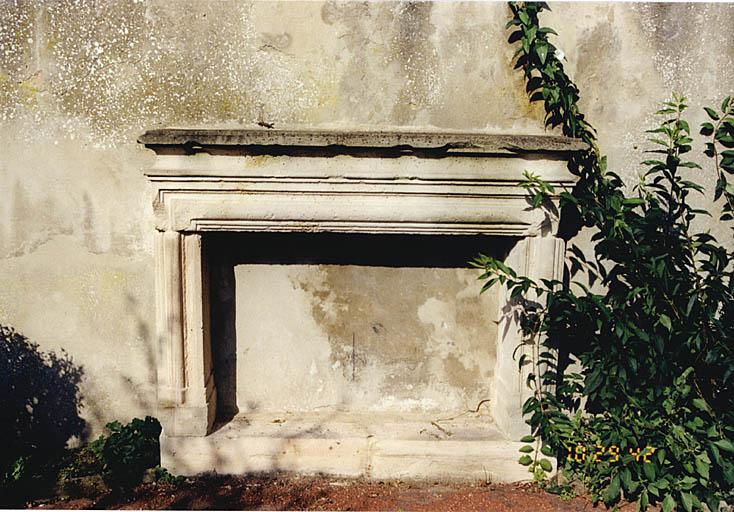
411, 183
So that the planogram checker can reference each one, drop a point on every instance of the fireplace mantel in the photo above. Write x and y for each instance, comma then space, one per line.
397, 182
254, 180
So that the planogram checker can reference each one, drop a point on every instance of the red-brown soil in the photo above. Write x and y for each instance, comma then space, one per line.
287, 492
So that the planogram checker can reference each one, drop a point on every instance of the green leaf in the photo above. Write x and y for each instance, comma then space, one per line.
526, 449
725, 445
626, 478
702, 467
665, 321
691, 303
542, 52
712, 113
489, 284
633, 201
525, 460
716, 454
531, 33
691, 165
687, 500
668, 503
612, 492
644, 500
700, 404
527, 439
546, 465
649, 470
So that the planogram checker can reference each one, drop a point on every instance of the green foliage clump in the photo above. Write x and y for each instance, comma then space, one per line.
122, 457
128, 450
161, 474
647, 363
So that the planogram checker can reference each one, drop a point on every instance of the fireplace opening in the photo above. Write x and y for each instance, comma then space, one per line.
350, 325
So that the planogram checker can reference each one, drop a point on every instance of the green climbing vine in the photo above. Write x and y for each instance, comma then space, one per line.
633, 386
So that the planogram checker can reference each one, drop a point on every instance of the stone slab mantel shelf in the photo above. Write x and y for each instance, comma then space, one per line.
449, 142
292, 180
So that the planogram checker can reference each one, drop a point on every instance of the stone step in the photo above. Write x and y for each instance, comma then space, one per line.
379, 446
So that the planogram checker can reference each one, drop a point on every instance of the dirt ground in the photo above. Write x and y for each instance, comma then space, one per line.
287, 492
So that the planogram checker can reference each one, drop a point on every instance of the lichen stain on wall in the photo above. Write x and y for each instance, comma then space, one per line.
117, 68
121, 67
463, 32
693, 43
418, 60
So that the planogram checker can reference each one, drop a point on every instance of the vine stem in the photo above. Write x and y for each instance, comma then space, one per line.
719, 174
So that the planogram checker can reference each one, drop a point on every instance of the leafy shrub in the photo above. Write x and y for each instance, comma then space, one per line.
125, 457
655, 347
128, 450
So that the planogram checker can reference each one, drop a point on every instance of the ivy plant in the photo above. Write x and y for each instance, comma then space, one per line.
632, 385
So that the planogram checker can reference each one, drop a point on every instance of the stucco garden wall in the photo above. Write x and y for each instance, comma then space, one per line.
80, 80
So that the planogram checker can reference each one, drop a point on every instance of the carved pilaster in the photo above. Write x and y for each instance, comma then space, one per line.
169, 317
538, 257
186, 391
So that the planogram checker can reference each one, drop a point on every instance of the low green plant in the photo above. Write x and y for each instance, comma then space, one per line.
161, 474
128, 450
121, 457
124, 457
649, 416
16, 471
79, 462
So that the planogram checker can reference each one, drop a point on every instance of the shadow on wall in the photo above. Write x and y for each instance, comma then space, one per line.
223, 303
40, 400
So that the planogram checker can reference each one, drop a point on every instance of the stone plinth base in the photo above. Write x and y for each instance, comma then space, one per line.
379, 446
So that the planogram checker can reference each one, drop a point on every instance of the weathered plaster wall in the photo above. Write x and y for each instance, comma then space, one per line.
356, 338
79, 80
628, 58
